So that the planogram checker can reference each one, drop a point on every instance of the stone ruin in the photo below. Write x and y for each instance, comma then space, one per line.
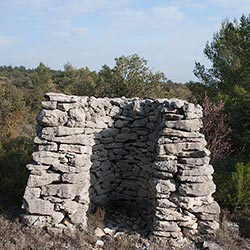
142, 160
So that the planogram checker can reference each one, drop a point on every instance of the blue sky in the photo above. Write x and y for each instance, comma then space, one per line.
170, 34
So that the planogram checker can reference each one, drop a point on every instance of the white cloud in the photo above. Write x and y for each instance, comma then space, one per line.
144, 21
8, 40
240, 5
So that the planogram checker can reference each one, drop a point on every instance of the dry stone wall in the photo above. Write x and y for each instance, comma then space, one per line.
143, 157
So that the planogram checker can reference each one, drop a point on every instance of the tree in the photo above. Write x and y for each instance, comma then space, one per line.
130, 77
12, 110
229, 76
229, 53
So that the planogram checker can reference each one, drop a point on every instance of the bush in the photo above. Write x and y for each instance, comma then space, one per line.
14, 155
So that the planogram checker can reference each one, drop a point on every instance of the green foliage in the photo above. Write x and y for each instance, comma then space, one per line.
131, 77
14, 155
229, 77
229, 54
238, 109
241, 186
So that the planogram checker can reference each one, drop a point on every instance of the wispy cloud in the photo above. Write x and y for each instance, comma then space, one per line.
8, 40
241, 5
144, 21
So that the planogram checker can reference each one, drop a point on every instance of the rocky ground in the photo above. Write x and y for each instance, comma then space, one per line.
104, 236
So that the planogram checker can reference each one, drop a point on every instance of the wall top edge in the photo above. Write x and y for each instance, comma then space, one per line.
171, 102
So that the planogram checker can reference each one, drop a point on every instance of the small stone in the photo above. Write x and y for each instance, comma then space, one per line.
186, 125
63, 130
49, 105
99, 232
57, 217
99, 243
197, 189
52, 118
119, 234
39, 206
210, 245
109, 231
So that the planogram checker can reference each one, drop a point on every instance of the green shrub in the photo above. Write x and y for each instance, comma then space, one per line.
241, 186
14, 155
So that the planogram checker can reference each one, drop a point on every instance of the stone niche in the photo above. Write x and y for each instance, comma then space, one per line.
142, 160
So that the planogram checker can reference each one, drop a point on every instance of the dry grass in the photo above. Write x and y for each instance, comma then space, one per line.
13, 236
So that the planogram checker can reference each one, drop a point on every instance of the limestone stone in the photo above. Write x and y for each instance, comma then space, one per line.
197, 189
79, 218
168, 214
32, 193
57, 217
121, 123
166, 226
38, 140
192, 111
49, 105
70, 206
110, 132
63, 130
46, 157
187, 170
179, 133
75, 148
99, 233
208, 227
165, 203
186, 125
67, 191
163, 174
34, 167
126, 137
74, 177
210, 245
61, 190
195, 153
168, 166
39, 206
68, 106
191, 178
175, 103
101, 124
65, 168
209, 208
48, 133
52, 146
188, 202
165, 186
73, 139
109, 231
76, 117
176, 148
52, 118
165, 234
62, 98
194, 161
41, 180
99, 243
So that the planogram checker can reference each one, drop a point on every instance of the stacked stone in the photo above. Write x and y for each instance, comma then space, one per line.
57, 189
123, 173
146, 155
183, 176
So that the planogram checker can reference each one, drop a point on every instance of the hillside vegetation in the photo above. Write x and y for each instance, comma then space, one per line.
223, 90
